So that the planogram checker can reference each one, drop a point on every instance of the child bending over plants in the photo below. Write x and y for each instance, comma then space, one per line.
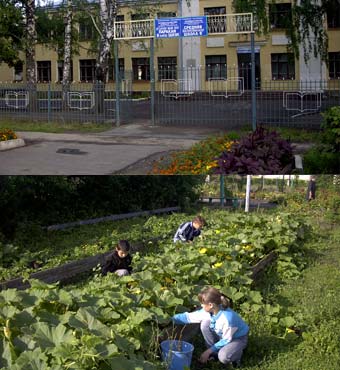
224, 331
189, 230
119, 261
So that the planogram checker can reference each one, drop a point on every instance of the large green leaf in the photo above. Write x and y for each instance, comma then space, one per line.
7, 355
65, 297
48, 336
7, 312
24, 318
85, 319
122, 363
139, 315
106, 350
10, 295
31, 360
24, 343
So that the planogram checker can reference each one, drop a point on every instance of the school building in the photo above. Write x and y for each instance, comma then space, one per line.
214, 56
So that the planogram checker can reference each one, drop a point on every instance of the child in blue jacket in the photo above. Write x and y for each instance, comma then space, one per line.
189, 230
224, 331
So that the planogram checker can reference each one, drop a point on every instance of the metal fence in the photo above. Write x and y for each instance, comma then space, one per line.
214, 96
203, 97
82, 102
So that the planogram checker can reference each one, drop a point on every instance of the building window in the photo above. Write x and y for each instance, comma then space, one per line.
280, 15
86, 30
44, 71
334, 65
61, 70
333, 15
215, 66
216, 20
141, 69
139, 16
283, 66
87, 70
112, 69
139, 29
18, 72
166, 15
120, 29
167, 68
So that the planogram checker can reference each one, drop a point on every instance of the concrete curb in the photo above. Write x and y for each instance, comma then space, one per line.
11, 144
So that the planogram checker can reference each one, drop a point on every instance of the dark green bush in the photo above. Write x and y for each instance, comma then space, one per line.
331, 126
319, 160
46, 200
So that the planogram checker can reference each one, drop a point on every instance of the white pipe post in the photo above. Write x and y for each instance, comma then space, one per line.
248, 193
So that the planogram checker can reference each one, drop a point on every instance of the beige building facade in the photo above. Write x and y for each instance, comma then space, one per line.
204, 58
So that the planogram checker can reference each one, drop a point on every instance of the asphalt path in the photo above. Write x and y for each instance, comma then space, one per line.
95, 154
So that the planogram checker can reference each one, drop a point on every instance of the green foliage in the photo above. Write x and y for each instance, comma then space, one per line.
307, 20
11, 32
321, 160
325, 157
114, 320
46, 200
331, 126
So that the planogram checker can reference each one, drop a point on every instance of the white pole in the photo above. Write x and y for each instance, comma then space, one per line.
248, 193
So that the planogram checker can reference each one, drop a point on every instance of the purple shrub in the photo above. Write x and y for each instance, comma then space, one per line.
261, 152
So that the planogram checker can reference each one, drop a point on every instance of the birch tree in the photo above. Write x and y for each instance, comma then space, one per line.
31, 40
107, 13
67, 48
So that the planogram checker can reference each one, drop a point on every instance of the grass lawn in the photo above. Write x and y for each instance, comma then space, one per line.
54, 127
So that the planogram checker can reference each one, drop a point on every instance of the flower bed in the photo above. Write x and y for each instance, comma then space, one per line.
200, 159
7, 134
259, 152
9, 140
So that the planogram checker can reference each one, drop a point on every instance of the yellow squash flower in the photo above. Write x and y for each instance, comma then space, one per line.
217, 264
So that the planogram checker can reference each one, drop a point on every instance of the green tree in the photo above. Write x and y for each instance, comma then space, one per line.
11, 32
306, 26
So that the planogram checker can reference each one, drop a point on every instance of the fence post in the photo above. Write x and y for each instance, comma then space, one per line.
152, 80
117, 85
49, 103
222, 190
253, 82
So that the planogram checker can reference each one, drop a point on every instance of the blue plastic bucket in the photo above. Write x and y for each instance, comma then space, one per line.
177, 354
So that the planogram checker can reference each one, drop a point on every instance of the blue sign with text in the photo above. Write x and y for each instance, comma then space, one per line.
181, 27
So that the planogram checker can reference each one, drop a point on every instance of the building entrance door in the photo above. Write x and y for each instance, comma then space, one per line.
244, 68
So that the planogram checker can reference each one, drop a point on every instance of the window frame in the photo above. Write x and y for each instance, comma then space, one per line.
280, 63
92, 66
278, 17
44, 69
334, 65
210, 72
218, 11
333, 16
111, 76
164, 72
145, 69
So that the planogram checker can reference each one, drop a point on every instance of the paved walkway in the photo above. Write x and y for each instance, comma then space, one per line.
95, 154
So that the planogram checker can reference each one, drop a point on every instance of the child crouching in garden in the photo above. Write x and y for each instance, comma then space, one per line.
119, 261
224, 331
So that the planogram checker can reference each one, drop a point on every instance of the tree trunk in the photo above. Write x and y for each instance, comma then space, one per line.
108, 11
31, 39
67, 52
